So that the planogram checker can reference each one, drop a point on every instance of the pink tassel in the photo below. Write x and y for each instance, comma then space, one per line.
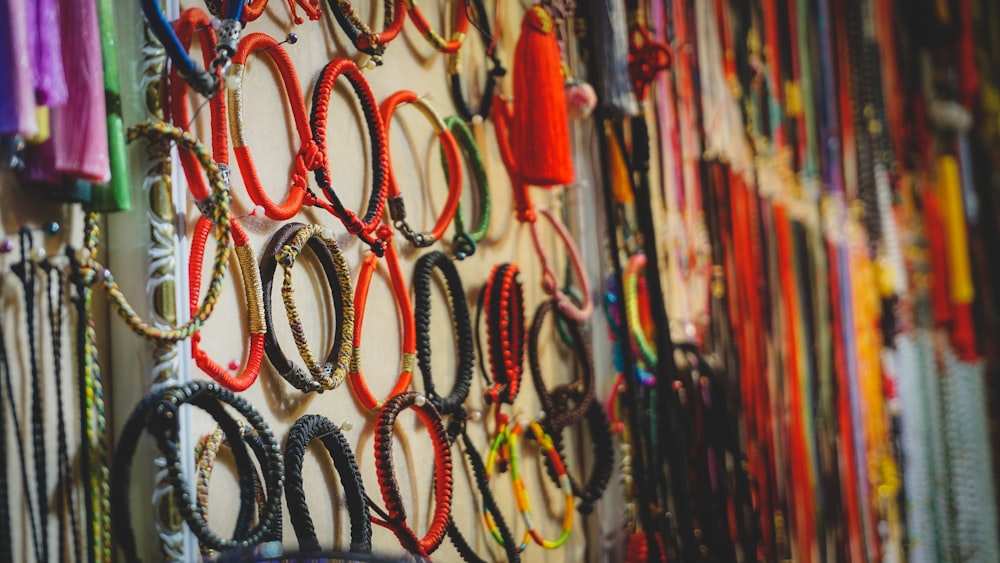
79, 128
17, 97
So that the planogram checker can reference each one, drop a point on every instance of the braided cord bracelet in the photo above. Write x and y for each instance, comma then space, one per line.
461, 23
219, 216
465, 242
461, 324
254, 304
361, 35
453, 171
395, 519
496, 71
255, 9
205, 454
603, 458
283, 248
307, 158
361, 226
456, 429
306, 429
633, 312
158, 413
581, 390
550, 284
402, 298
507, 439
503, 300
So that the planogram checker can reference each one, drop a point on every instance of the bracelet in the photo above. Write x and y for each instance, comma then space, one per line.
158, 413
218, 214
550, 285
254, 304
402, 296
581, 390
306, 429
496, 71
461, 322
503, 300
283, 248
603, 458
192, 21
461, 24
308, 157
455, 430
507, 437
205, 454
379, 146
255, 9
465, 242
395, 519
361, 35
202, 80
453, 171
631, 282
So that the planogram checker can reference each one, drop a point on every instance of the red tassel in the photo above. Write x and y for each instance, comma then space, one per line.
540, 129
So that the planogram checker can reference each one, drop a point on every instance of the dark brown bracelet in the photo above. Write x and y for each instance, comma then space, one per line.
556, 403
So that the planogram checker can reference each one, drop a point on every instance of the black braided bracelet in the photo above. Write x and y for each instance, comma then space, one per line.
497, 71
603, 462
462, 324
306, 429
557, 412
455, 430
158, 413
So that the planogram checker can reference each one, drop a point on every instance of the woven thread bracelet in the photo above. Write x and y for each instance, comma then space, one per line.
308, 157
507, 439
603, 459
453, 171
361, 35
580, 391
158, 413
314, 427
504, 303
460, 23
633, 273
205, 454
496, 71
402, 298
456, 429
255, 9
464, 243
218, 214
550, 284
360, 226
254, 305
395, 516
284, 248
195, 21
205, 81
461, 324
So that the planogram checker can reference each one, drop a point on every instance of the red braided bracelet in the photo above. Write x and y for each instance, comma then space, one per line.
379, 147
307, 158
395, 520
194, 20
402, 296
505, 324
254, 305
397, 209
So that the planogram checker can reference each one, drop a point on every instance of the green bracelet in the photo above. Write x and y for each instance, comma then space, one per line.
464, 243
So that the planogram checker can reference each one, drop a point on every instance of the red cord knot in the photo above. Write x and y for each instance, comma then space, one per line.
311, 155
384, 233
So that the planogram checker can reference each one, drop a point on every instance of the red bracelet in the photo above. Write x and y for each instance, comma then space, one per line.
505, 326
253, 10
195, 20
402, 295
308, 157
397, 209
461, 24
362, 226
254, 306
395, 520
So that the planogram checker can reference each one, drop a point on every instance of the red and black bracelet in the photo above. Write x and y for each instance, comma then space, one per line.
360, 226
495, 72
369, 42
394, 517
502, 298
460, 25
